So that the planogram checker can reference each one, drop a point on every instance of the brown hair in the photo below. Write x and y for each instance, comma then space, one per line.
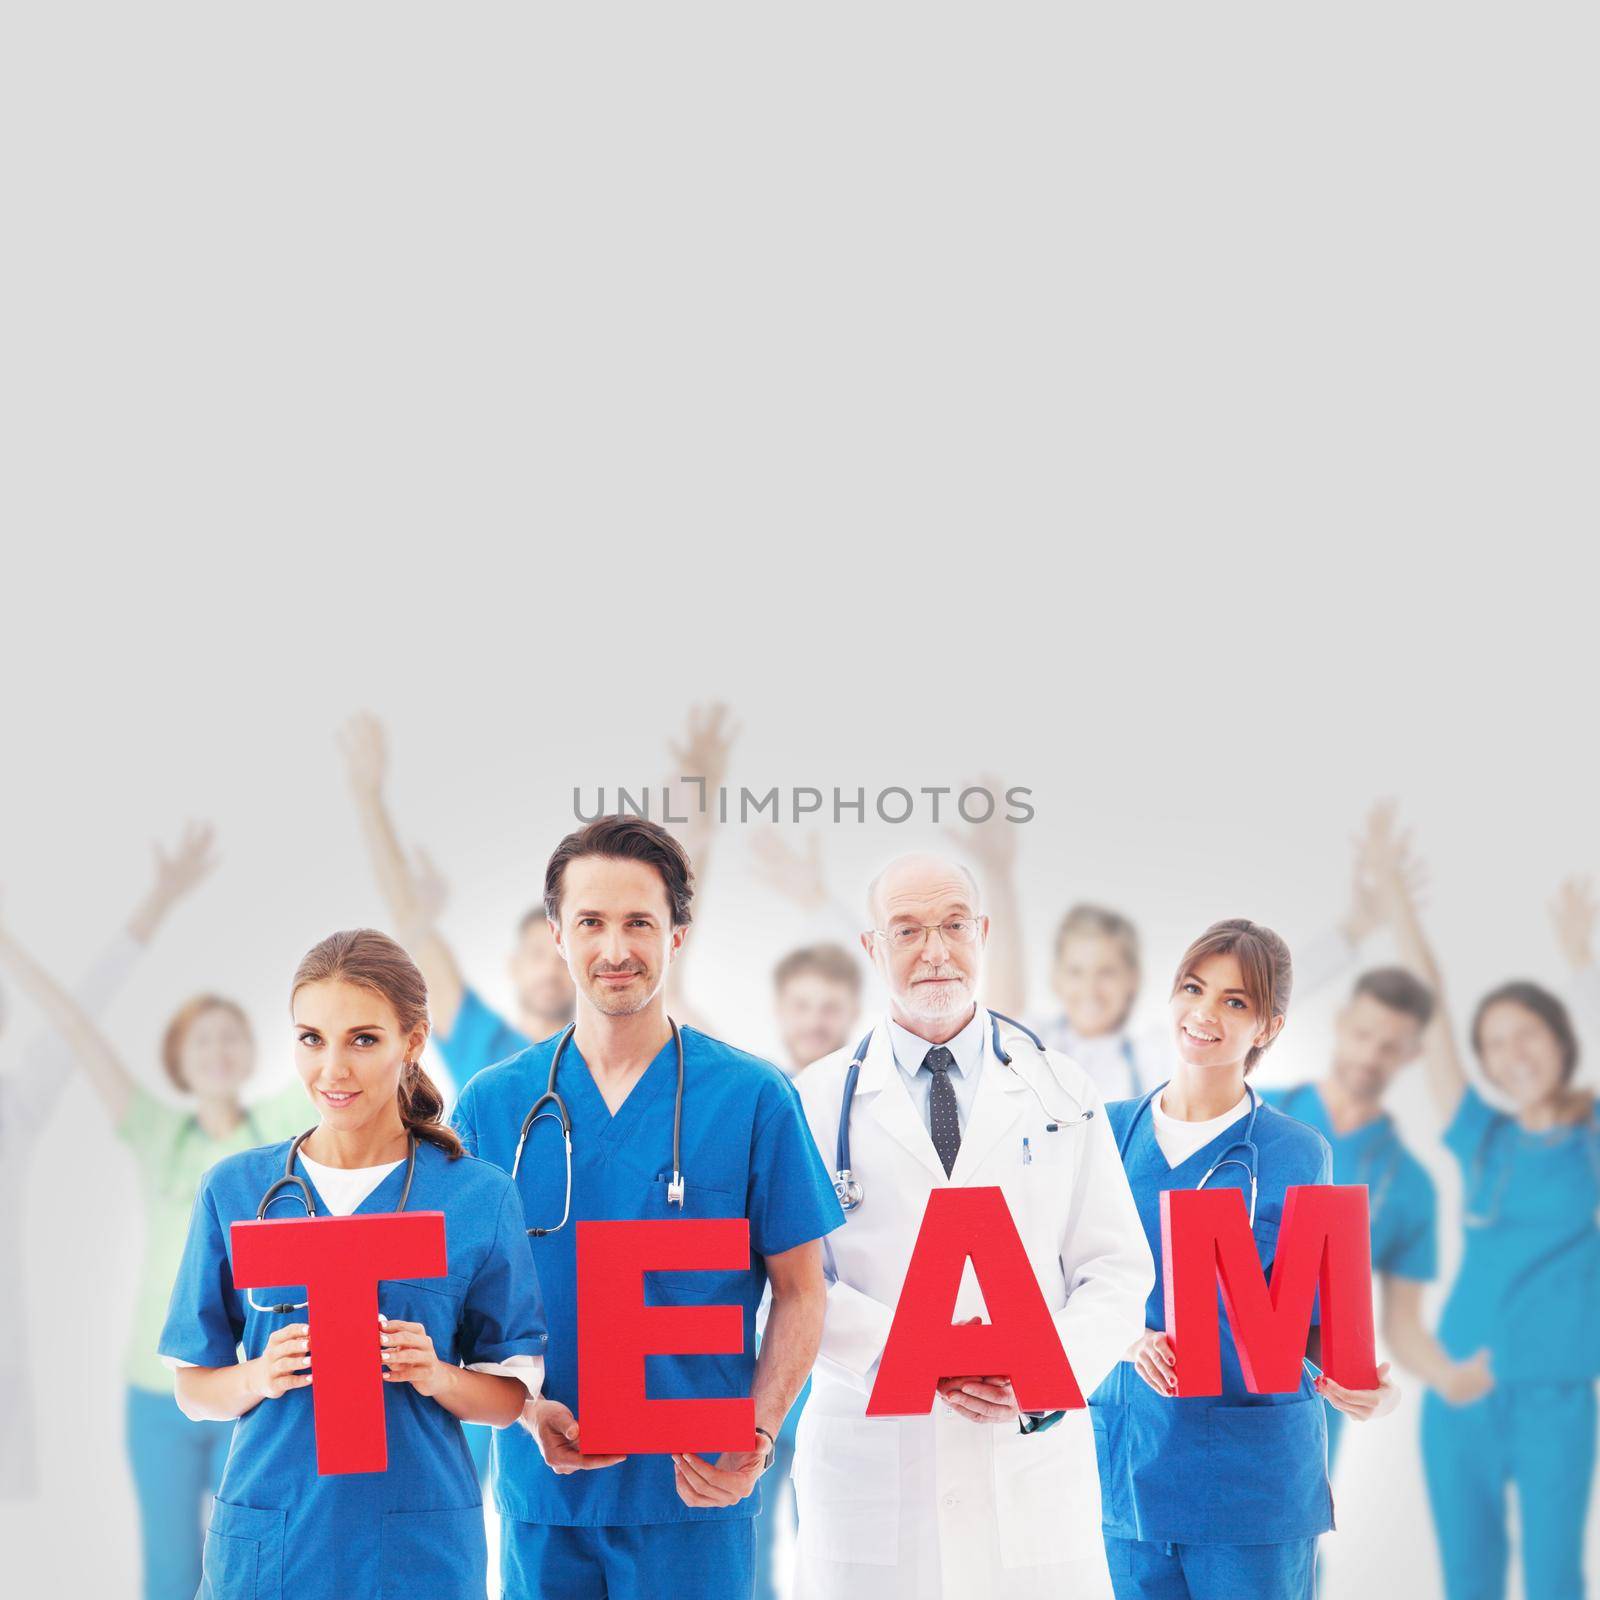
1398, 989
1263, 960
1100, 923
189, 1013
829, 961
372, 960
1545, 1006
624, 839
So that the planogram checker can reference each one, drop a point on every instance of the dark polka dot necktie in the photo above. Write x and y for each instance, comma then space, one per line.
943, 1122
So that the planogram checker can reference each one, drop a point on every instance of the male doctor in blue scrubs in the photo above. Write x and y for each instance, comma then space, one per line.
1377, 1034
617, 894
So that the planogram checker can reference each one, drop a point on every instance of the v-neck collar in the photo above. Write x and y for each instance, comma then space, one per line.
1157, 1157
384, 1198
576, 1081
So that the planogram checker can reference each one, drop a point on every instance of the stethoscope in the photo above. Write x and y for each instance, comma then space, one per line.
845, 1183
1246, 1142
292, 1180
1472, 1216
551, 1097
1388, 1144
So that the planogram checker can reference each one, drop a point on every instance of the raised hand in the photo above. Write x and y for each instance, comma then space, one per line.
365, 749
178, 871
1386, 875
1573, 911
704, 749
795, 874
992, 844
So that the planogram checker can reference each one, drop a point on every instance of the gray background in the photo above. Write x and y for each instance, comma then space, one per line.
1187, 413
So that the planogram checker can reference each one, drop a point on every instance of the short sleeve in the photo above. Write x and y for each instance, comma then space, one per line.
790, 1199
205, 1316
1472, 1124
478, 1038
503, 1313
464, 1119
1414, 1250
151, 1128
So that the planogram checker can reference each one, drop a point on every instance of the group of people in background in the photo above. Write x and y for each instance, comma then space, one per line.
1509, 1371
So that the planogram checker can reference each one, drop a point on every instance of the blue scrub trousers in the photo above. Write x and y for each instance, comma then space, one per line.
1144, 1570
177, 1465
702, 1560
1538, 1436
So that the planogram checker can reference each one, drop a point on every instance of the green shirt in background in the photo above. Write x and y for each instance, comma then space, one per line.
173, 1153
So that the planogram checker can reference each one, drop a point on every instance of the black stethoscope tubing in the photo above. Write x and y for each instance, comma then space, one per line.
552, 1097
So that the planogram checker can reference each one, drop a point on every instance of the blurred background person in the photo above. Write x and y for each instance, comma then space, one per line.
1377, 1034
29, 1094
816, 998
1521, 1312
208, 1055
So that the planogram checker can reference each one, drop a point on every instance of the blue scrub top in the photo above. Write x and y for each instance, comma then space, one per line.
478, 1038
1529, 1280
746, 1152
1234, 1468
1403, 1206
416, 1529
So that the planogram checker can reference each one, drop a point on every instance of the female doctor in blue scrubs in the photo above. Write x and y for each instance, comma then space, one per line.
1216, 1497
1523, 1303
466, 1347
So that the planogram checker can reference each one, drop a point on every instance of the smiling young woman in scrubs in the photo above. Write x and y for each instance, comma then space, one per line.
1222, 1496
466, 1347
1522, 1309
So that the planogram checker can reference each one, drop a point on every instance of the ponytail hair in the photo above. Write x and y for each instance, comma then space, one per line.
372, 960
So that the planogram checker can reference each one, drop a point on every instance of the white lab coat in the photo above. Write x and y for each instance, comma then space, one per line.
912, 1508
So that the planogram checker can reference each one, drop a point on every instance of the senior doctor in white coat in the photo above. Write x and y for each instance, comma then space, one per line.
974, 1499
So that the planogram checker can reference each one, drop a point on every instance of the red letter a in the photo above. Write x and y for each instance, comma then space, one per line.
1018, 1342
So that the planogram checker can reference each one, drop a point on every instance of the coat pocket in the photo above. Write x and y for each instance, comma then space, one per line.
847, 1487
442, 1554
1047, 1499
243, 1556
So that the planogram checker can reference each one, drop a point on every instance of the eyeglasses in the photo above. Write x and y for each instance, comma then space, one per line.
913, 935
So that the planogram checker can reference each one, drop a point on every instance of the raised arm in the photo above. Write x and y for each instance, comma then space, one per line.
414, 894
71, 1024
1394, 873
75, 1037
992, 845
700, 764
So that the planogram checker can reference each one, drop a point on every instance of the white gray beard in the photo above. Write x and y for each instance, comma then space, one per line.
947, 1001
